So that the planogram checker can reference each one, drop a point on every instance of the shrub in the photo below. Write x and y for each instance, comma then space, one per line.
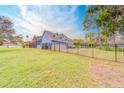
109, 48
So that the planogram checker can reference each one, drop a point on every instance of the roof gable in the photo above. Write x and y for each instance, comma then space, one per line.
56, 36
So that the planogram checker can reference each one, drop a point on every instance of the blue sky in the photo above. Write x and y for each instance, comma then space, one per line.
33, 20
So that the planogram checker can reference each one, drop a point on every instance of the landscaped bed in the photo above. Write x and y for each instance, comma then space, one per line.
43, 68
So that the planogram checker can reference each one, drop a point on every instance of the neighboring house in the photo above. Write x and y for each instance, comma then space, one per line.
35, 42
118, 39
54, 41
8, 44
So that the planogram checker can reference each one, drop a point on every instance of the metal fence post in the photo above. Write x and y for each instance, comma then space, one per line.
67, 48
78, 50
54, 46
59, 46
115, 52
92, 51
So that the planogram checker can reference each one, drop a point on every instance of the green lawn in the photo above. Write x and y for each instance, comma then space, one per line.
41, 68
98, 53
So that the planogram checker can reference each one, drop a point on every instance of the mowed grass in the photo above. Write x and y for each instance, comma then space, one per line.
42, 68
98, 53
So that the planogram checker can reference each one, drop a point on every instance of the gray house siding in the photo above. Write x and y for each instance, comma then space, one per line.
57, 45
54, 41
46, 41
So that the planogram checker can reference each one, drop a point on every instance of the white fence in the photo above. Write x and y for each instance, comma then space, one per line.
11, 46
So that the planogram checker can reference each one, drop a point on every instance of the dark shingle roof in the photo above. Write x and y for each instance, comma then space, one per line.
58, 37
36, 37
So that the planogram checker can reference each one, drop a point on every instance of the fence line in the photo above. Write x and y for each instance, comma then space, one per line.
11, 46
115, 53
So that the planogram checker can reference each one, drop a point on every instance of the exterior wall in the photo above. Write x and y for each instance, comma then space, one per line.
45, 40
70, 43
58, 46
33, 44
55, 46
39, 46
63, 46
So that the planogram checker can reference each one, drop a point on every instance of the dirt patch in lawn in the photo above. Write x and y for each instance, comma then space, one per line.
108, 74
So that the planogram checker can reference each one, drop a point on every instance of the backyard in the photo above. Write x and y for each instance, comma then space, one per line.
43, 68
98, 53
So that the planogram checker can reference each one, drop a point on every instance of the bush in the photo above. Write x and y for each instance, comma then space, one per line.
1, 41
109, 48
26, 44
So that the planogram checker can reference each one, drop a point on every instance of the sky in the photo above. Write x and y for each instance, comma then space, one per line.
33, 20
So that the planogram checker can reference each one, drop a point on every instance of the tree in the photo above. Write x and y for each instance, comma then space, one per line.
1, 41
7, 31
90, 19
17, 39
91, 38
26, 43
6, 28
78, 42
109, 18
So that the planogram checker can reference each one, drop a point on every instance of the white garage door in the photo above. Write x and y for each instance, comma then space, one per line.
58, 46
63, 47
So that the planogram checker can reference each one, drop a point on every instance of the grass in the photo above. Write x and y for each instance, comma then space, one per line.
42, 68
99, 53
108, 48
36, 68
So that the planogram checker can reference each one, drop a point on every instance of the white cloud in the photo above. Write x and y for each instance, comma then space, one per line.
34, 19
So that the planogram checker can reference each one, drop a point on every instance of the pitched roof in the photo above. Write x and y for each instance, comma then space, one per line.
58, 37
36, 37
6, 40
